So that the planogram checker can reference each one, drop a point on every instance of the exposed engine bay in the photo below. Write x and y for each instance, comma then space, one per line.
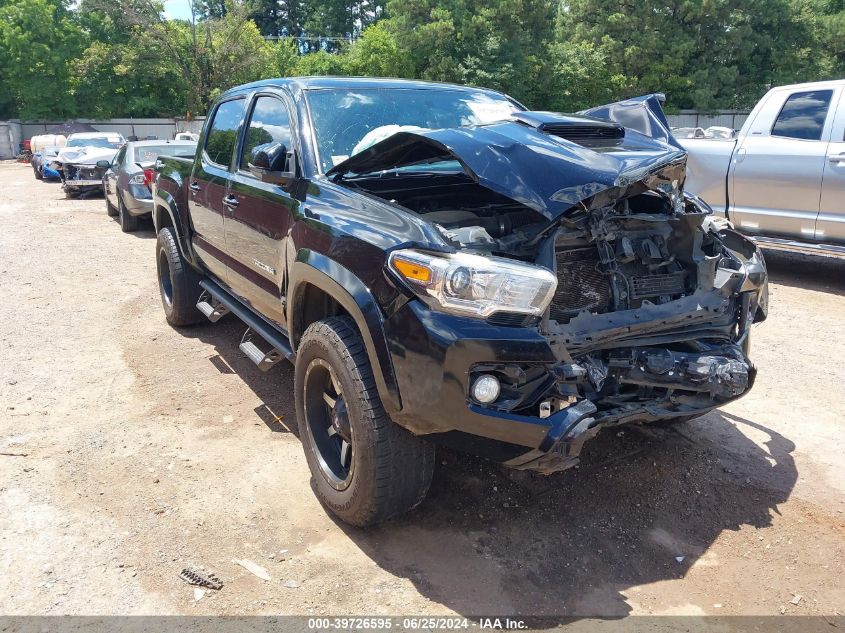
654, 297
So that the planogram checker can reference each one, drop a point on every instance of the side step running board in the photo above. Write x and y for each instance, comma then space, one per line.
272, 334
213, 309
815, 248
263, 360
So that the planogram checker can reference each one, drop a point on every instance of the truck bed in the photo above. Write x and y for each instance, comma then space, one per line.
708, 162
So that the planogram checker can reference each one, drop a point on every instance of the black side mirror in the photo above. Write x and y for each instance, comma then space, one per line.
272, 162
103, 164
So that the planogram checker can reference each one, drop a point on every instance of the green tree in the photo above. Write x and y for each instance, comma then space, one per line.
319, 63
278, 17
341, 18
284, 57
495, 43
705, 54
377, 54
37, 38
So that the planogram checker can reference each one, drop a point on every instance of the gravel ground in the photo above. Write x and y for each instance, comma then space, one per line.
131, 450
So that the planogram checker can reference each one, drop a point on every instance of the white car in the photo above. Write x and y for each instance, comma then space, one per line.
76, 162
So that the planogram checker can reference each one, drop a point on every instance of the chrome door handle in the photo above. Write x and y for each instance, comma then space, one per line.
194, 187
231, 201
836, 158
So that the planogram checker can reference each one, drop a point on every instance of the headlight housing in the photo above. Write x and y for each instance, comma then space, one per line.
138, 179
473, 285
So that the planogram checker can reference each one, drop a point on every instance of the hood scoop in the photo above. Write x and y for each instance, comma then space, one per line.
583, 130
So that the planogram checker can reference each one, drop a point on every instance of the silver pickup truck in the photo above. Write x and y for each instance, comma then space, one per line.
782, 179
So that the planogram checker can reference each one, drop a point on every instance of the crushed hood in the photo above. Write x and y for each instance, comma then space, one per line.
85, 155
546, 161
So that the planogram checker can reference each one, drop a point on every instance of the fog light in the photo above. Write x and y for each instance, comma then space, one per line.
486, 389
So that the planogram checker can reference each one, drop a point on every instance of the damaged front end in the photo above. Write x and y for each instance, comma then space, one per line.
654, 298
79, 170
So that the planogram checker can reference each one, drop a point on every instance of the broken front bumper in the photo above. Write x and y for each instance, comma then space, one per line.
78, 176
562, 383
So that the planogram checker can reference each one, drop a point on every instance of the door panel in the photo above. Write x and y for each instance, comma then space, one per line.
258, 221
111, 176
777, 174
208, 184
830, 226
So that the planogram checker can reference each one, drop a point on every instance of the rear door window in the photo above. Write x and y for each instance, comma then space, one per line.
223, 133
269, 123
803, 115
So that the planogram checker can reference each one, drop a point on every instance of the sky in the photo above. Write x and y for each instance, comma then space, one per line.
178, 9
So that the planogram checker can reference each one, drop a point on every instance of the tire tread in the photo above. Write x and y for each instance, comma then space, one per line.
403, 463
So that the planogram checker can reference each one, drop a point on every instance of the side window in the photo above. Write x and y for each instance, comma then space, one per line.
269, 123
803, 115
118, 160
223, 133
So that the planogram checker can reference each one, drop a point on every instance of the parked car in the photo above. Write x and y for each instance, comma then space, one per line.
127, 179
782, 179
77, 161
689, 132
503, 281
41, 163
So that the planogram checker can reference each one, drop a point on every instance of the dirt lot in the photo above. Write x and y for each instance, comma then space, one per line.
131, 450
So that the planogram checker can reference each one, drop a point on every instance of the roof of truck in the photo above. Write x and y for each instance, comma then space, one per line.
833, 83
312, 83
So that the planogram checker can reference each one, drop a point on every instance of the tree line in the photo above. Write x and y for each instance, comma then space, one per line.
115, 58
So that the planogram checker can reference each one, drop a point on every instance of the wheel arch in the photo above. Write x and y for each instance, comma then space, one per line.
316, 278
166, 213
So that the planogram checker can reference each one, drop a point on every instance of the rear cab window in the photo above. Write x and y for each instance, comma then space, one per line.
223, 133
803, 115
149, 153
269, 123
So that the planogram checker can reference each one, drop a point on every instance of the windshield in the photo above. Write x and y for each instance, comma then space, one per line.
148, 153
112, 142
348, 121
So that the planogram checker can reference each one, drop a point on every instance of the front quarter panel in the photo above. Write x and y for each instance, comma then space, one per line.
340, 240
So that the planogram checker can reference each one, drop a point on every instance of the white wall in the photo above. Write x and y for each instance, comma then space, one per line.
10, 139
725, 118
161, 128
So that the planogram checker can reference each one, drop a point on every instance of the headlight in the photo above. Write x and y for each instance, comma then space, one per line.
137, 179
474, 285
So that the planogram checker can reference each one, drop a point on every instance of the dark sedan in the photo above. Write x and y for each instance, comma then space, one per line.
127, 182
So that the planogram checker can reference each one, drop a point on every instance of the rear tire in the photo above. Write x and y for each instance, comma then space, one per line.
128, 222
178, 283
383, 470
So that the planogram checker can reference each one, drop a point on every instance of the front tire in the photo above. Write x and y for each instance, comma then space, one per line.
38, 174
110, 209
178, 283
365, 467
128, 222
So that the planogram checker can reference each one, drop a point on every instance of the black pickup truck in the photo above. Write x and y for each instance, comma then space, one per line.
444, 266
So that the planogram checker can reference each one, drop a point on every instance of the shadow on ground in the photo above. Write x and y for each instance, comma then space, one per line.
812, 272
492, 541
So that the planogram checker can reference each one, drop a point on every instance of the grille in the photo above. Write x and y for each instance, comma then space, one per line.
580, 284
657, 285
511, 319
76, 172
